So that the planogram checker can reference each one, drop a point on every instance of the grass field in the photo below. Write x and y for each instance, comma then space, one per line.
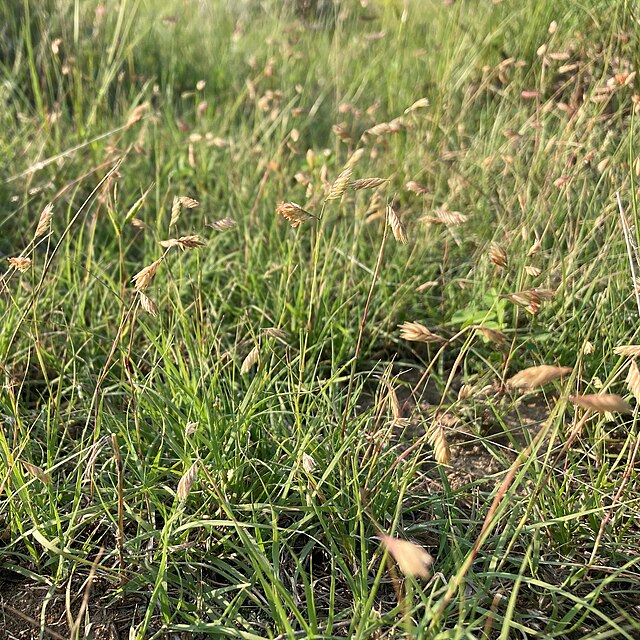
227, 415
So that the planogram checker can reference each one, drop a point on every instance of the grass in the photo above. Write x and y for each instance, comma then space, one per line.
228, 465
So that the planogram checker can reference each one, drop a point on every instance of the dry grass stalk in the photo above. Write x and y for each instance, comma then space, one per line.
20, 263
498, 256
602, 403
188, 203
416, 188
340, 184
37, 472
416, 332
44, 224
627, 350
367, 183
293, 213
252, 358
633, 380
186, 482
148, 304
537, 376
438, 440
176, 210
142, 279
493, 335
412, 559
223, 224
396, 225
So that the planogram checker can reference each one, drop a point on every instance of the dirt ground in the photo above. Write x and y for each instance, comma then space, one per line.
31, 611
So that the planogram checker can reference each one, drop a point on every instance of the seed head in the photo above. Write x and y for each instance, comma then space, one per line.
412, 559
340, 185
602, 403
293, 213
416, 332
142, 279
44, 224
186, 482
223, 224
498, 256
251, 359
20, 263
396, 225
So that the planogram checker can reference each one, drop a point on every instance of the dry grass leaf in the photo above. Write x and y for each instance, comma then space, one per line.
308, 463
148, 304
438, 440
340, 184
186, 482
142, 279
633, 380
190, 428
396, 225
627, 350
44, 224
537, 376
20, 263
602, 402
416, 332
412, 559
37, 472
252, 358
293, 213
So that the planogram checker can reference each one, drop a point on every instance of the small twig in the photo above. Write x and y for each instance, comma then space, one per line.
32, 621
